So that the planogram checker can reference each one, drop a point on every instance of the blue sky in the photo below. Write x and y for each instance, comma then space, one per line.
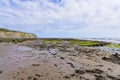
62, 18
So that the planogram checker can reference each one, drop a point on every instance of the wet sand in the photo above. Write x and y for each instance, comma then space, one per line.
35, 60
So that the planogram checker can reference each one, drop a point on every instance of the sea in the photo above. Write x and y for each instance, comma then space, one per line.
111, 40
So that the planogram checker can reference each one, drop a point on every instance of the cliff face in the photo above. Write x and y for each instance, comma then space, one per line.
5, 33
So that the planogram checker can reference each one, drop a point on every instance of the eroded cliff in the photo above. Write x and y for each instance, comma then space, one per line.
5, 33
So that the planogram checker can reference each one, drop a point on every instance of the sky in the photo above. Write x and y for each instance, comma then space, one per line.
62, 18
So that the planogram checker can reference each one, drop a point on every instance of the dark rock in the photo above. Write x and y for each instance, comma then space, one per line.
99, 77
95, 71
106, 59
109, 69
114, 58
67, 76
72, 75
55, 65
71, 64
82, 78
54, 53
30, 77
62, 58
1, 71
112, 77
35, 64
37, 75
35, 79
80, 71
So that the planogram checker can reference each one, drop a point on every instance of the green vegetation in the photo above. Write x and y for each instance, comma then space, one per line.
6, 30
77, 42
52, 40
13, 40
113, 45
85, 42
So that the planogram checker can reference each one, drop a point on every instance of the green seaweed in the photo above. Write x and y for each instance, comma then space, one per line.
84, 42
113, 45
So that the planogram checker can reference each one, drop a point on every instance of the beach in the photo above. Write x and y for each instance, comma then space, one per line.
37, 60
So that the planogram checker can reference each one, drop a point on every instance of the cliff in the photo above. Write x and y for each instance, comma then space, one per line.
5, 33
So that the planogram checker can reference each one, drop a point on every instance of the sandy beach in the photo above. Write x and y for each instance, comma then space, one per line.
35, 60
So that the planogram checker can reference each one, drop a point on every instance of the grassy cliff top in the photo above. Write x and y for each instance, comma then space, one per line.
6, 30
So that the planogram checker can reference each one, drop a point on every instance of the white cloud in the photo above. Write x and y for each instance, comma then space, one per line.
70, 16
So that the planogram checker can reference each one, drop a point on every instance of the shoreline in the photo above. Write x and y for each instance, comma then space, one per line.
43, 60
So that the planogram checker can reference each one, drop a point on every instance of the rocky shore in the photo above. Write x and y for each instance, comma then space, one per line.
39, 60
